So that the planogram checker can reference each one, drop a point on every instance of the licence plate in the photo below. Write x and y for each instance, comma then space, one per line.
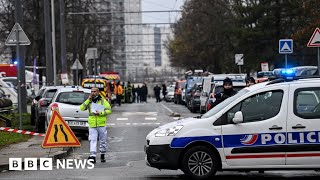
77, 123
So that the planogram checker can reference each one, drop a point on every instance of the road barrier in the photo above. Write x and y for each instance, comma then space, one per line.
21, 131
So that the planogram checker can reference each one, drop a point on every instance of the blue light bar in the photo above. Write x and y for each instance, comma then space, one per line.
287, 74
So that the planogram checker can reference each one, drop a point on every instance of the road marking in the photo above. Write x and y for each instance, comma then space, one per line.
166, 108
150, 118
140, 114
131, 124
122, 119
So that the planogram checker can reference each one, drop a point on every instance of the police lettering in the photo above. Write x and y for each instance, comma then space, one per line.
291, 138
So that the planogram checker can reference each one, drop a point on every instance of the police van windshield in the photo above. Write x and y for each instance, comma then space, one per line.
224, 103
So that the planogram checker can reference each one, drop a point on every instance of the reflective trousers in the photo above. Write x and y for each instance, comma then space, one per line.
93, 138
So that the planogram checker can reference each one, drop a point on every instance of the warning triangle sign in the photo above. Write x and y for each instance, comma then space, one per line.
59, 134
77, 65
17, 36
315, 39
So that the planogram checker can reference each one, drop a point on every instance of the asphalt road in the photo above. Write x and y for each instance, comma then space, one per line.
128, 126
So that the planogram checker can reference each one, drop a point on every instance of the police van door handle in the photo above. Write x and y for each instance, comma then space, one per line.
298, 126
275, 127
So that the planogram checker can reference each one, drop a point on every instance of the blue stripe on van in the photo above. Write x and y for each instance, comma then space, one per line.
182, 142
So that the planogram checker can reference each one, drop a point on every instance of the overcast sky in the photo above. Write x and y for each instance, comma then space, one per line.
160, 5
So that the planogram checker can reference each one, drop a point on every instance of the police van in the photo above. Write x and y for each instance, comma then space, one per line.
268, 126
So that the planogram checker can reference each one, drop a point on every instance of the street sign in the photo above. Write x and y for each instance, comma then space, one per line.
59, 134
12, 39
315, 39
92, 53
264, 66
77, 65
285, 46
239, 59
64, 78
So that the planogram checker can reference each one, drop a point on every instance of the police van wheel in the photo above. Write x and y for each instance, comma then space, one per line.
199, 163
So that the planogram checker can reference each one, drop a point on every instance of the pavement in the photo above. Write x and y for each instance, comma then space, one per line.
30, 149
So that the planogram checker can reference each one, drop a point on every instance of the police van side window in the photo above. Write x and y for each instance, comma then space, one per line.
258, 107
307, 103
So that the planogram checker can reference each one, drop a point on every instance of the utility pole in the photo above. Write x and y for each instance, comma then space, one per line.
22, 91
63, 39
53, 31
49, 64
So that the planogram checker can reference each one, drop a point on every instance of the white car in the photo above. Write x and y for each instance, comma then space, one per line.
262, 127
67, 101
170, 93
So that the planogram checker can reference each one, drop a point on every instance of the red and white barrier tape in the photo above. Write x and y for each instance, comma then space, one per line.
21, 131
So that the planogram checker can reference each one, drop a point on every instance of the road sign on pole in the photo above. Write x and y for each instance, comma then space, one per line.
315, 42
76, 65
21, 39
239, 59
315, 39
285, 46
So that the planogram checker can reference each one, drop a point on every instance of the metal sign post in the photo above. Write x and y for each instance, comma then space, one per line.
286, 47
76, 66
16, 38
239, 61
92, 53
315, 42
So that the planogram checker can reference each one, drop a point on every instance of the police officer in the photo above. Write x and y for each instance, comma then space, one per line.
228, 91
250, 81
97, 123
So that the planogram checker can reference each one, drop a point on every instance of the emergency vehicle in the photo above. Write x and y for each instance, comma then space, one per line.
99, 82
268, 126
111, 77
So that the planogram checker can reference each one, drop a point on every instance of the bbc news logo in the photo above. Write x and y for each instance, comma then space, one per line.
16, 164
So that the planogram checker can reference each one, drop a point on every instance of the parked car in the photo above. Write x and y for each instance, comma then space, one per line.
67, 101
34, 104
207, 83
191, 81
180, 85
170, 93
194, 102
42, 103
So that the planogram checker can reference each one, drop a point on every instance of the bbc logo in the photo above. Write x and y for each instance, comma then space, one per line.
15, 164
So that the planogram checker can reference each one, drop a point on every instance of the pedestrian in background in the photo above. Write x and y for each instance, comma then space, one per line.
138, 90
134, 90
97, 124
119, 93
144, 92
157, 91
164, 91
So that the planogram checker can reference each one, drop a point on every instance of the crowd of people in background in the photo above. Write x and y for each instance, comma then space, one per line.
130, 94
127, 93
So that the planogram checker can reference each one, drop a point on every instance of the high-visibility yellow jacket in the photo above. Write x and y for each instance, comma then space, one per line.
100, 119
